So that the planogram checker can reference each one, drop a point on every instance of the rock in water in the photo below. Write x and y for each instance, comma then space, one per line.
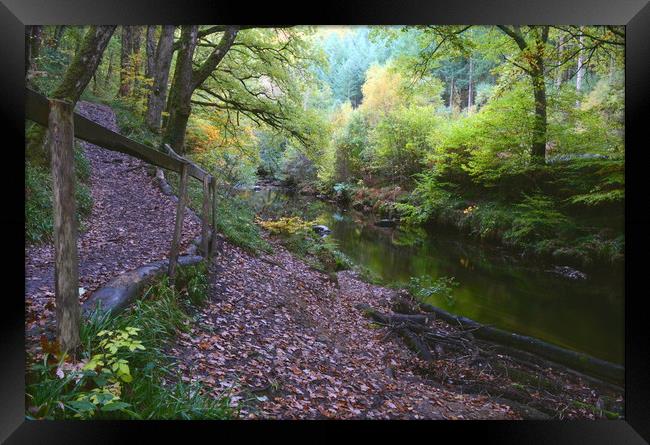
321, 230
569, 272
386, 223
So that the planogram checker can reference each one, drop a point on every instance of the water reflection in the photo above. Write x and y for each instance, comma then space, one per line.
496, 286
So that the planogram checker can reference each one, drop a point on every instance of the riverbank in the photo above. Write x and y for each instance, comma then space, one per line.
575, 309
551, 213
291, 342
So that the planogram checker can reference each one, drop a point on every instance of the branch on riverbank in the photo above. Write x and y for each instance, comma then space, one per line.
454, 357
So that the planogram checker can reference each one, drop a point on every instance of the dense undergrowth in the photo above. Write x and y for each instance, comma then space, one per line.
123, 370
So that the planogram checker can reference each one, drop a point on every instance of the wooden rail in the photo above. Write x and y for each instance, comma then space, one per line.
58, 116
37, 109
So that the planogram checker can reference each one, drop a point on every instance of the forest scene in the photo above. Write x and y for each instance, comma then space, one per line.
324, 222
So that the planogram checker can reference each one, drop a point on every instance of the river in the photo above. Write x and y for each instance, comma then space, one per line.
496, 286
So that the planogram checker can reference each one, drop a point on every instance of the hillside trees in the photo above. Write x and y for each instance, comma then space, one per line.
530, 50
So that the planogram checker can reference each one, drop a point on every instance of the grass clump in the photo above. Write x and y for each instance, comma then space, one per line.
39, 217
124, 371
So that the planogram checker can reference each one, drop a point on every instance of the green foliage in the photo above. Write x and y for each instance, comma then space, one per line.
536, 217
271, 149
297, 168
425, 287
193, 281
131, 123
400, 142
125, 373
50, 67
298, 237
428, 201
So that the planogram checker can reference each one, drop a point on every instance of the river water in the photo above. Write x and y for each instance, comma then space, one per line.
496, 286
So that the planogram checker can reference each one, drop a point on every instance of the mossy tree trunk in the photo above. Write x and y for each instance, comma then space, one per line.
151, 51
160, 74
125, 59
76, 78
186, 80
33, 39
129, 57
178, 104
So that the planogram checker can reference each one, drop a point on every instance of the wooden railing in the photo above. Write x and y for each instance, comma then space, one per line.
63, 124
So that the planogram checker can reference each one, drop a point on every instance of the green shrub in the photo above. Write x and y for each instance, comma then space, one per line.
298, 237
124, 372
537, 217
425, 287
193, 281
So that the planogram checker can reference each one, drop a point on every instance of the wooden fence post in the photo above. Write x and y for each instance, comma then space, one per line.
213, 184
205, 216
66, 268
180, 212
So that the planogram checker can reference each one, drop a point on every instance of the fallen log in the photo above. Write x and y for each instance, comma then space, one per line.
607, 371
121, 291
393, 319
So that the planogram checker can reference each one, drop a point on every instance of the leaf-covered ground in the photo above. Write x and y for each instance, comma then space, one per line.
131, 224
287, 342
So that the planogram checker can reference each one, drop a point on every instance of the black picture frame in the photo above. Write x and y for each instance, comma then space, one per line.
635, 14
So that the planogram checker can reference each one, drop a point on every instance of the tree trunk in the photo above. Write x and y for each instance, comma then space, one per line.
136, 43
125, 61
151, 51
32, 46
451, 95
560, 51
84, 64
580, 70
178, 106
109, 70
538, 151
186, 81
28, 49
37, 32
61, 137
469, 92
160, 74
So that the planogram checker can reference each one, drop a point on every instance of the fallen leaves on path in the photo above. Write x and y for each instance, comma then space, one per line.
288, 341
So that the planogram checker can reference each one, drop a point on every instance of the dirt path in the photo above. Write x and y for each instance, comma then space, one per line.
131, 224
290, 342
